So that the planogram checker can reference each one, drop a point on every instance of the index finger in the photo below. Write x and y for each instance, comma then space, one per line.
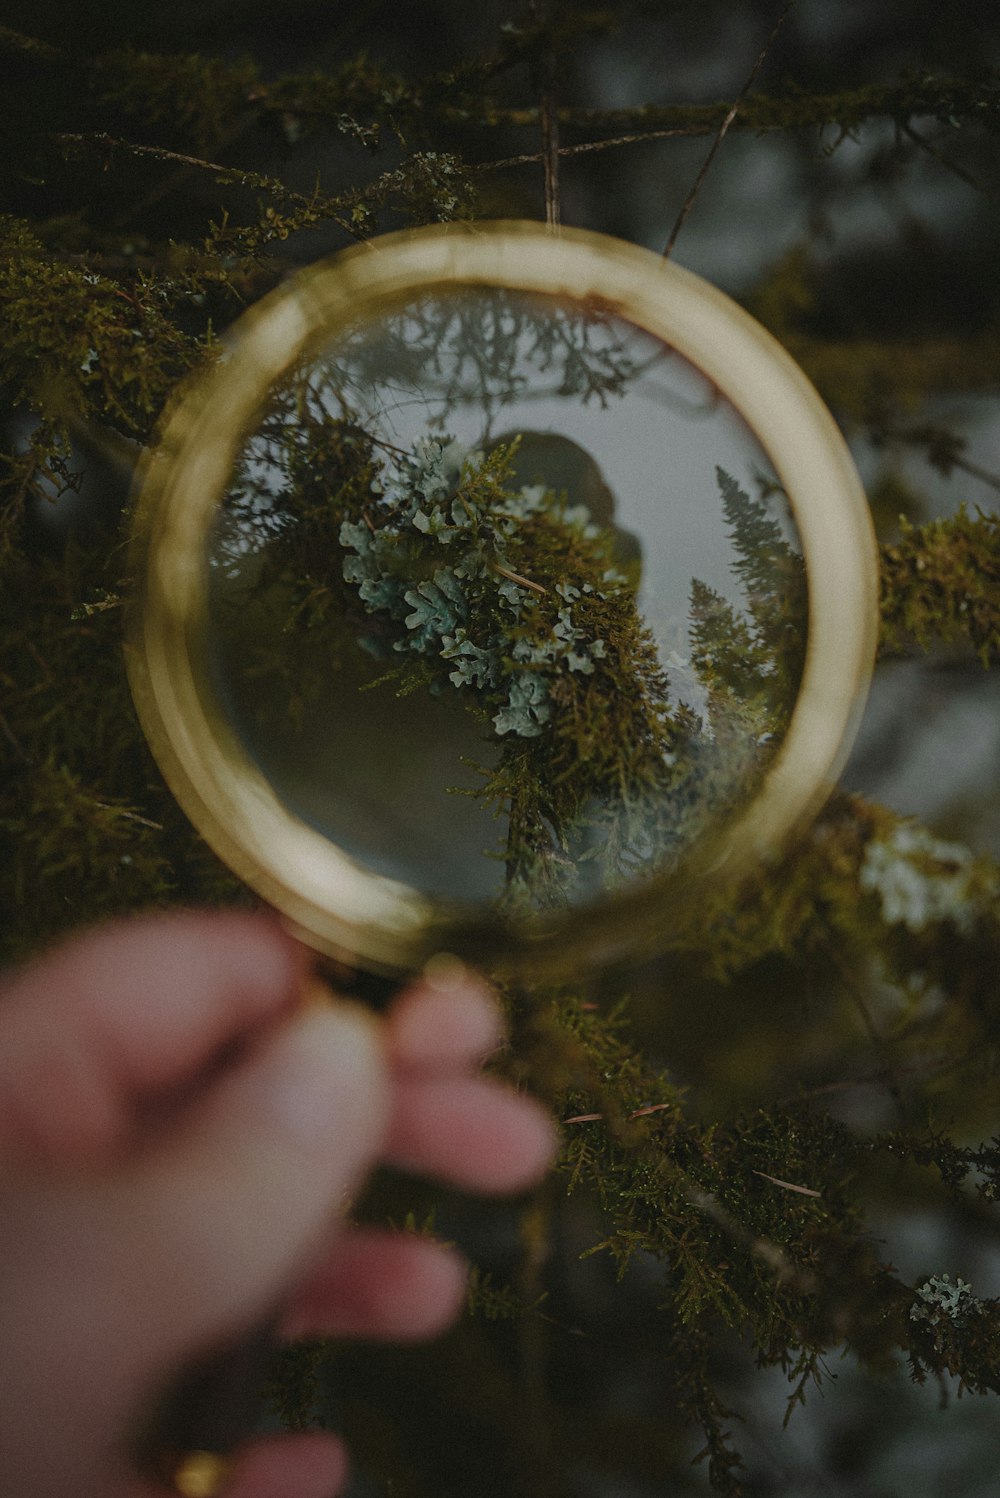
124, 1014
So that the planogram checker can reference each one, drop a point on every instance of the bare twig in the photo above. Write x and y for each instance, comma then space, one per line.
734, 110
13, 740
948, 163
550, 160
879, 1079
582, 148
158, 153
880, 1047
236, 176
123, 811
38, 657
549, 121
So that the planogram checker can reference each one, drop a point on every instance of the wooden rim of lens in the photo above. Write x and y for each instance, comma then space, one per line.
328, 898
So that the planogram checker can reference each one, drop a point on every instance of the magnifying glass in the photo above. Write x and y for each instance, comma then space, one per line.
496, 589
493, 585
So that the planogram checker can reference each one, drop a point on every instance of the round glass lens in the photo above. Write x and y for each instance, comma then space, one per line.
505, 599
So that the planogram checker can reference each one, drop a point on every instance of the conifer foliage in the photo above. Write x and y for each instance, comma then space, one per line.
753, 1121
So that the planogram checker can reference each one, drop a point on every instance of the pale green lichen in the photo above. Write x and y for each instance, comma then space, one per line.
939, 1298
440, 553
921, 880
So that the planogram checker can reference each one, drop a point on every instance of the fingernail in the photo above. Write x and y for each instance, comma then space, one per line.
328, 1084
446, 973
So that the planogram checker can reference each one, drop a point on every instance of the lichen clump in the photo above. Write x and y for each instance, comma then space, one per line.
511, 596
938, 1298
921, 880
441, 553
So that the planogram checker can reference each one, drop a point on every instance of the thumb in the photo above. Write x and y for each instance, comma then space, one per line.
214, 1225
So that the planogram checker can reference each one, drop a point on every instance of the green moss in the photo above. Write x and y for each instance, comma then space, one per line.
955, 101
198, 98
941, 582
77, 337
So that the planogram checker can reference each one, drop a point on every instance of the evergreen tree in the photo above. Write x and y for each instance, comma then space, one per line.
757, 1122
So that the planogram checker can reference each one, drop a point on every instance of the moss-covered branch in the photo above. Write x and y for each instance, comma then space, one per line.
116, 355
430, 187
948, 99
941, 583
758, 1221
201, 96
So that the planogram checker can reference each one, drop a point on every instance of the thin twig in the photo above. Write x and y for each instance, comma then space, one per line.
975, 471
38, 657
734, 110
550, 159
949, 165
879, 1045
236, 176
880, 1079
123, 811
532, 158
13, 740
158, 153
536, 1235
548, 119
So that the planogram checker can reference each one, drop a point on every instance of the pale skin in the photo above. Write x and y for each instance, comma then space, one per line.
179, 1136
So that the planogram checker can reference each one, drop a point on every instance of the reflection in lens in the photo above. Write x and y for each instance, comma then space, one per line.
505, 599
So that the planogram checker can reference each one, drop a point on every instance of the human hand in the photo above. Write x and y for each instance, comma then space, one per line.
178, 1138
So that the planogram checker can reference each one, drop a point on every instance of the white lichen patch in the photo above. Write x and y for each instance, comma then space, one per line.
922, 880
939, 1299
445, 566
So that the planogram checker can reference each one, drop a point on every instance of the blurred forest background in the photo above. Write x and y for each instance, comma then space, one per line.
807, 1228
